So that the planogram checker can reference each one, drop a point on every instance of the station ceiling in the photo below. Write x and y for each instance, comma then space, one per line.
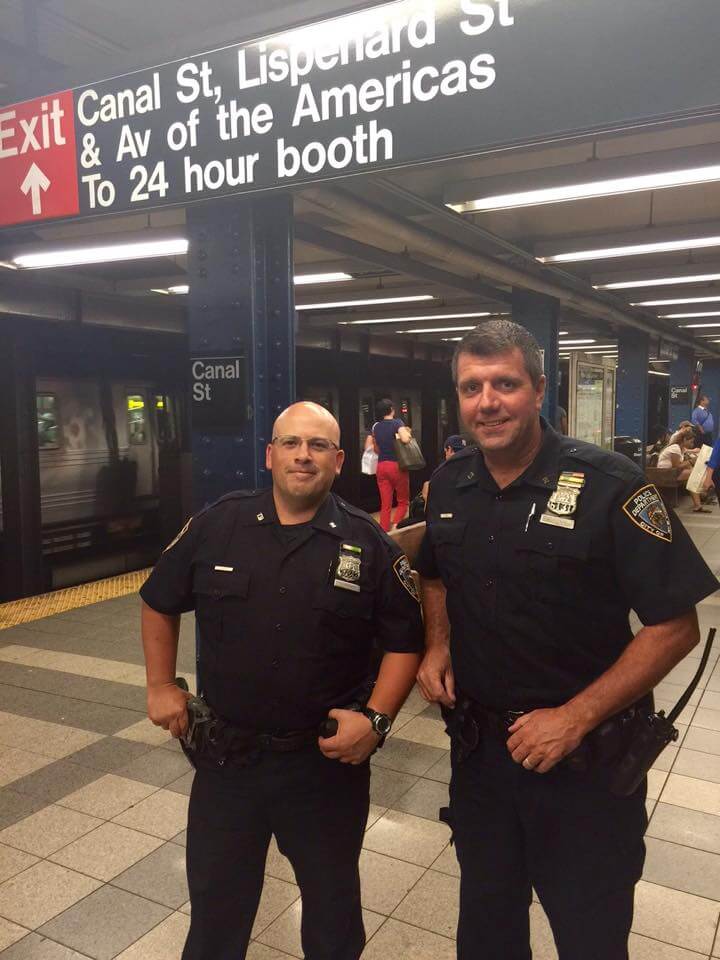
424, 231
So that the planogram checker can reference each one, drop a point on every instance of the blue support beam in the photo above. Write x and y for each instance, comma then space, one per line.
631, 394
541, 316
241, 304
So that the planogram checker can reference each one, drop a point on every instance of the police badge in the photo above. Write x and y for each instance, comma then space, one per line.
347, 571
563, 501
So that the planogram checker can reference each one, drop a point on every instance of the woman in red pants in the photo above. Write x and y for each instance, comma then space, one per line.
389, 475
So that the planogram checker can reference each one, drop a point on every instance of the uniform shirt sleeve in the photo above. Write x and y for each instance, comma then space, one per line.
398, 620
425, 562
168, 589
658, 567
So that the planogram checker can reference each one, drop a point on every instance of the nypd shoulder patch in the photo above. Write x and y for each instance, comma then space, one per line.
403, 571
646, 510
179, 536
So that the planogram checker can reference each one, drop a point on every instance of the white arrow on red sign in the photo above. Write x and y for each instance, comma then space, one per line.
35, 181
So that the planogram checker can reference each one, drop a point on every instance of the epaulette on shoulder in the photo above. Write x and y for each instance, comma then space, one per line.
606, 461
233, 495
354, 511
463, 454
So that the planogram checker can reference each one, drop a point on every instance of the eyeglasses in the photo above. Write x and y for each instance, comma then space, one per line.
316, 444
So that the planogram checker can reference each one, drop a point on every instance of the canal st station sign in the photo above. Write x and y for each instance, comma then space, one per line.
409, 82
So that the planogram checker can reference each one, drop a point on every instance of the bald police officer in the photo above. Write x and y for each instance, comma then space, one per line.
291, 589
537, 547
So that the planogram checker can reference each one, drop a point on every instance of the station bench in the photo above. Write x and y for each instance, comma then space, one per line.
667, 482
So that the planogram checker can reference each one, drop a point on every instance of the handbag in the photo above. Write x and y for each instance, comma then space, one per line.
369, 462
409, 455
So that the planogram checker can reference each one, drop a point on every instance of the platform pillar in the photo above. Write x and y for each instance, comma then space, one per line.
681, 376
22, 566
541, 316
242, 317
631, 391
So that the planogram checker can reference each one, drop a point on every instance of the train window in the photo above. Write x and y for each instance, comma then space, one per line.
47, 421
165, 419
136, 418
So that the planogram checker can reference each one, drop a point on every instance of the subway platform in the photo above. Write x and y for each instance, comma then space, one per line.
93, 804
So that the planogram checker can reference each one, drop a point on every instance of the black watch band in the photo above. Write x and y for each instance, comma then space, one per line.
381, 722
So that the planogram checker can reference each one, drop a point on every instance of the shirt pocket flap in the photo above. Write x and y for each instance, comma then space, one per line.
221, 583
447, 531
347, 604
559, 542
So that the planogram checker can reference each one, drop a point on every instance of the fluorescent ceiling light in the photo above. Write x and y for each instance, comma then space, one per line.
302, 278
670, 303
658, 373
180, 288
362, 303
698, 326
451, 339
599, 347
567, 343
435, 330
427, 316
591, 188
562, 333
658, 281
632, 250
8, 266
689, 316
111, 253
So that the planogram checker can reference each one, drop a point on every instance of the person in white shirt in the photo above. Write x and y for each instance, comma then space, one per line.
673, 456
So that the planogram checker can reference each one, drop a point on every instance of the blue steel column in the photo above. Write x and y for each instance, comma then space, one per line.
240, 271
631, 392
541, 315
681, 374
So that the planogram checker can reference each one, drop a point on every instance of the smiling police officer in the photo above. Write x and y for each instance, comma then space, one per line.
537, 547
292, 588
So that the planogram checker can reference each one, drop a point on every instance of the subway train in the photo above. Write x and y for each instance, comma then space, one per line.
114, 447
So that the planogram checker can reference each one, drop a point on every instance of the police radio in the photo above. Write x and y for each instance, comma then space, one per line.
650, 733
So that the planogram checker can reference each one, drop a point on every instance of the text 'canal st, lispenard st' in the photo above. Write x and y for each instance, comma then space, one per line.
399, 84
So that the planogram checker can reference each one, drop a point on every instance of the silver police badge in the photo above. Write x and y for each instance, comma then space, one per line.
348, 568
563, 502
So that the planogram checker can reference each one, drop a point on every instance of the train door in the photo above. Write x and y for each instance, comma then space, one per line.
136, 439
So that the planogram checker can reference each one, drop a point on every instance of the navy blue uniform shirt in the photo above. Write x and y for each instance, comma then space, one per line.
280, 642
537, 612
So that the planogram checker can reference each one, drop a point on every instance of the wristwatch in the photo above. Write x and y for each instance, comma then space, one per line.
381, 722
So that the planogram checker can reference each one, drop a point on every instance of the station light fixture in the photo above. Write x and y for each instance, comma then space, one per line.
302, 278
679, 302
451, 339
419, 319
436, 330
596, 349
690, 316
362, 303
608, 187
108, 253
632, 250
658, 373
698, 326
659, 281
567, 343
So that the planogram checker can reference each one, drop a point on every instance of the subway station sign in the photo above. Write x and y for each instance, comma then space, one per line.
219, 393
408, 82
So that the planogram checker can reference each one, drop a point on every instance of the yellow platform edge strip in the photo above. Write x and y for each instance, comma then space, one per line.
69, 598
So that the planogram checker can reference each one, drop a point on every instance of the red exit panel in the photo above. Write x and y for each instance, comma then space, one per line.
38, 168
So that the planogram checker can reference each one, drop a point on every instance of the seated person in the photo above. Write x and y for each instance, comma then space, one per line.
672, 456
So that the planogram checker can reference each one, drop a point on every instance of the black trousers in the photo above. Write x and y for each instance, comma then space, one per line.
317, 809
561, 832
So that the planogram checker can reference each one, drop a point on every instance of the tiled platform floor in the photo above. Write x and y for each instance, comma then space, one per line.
93, 801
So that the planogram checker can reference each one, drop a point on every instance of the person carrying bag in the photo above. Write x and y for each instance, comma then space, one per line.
388, 431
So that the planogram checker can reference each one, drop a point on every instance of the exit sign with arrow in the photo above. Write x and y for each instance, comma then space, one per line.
38, 170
